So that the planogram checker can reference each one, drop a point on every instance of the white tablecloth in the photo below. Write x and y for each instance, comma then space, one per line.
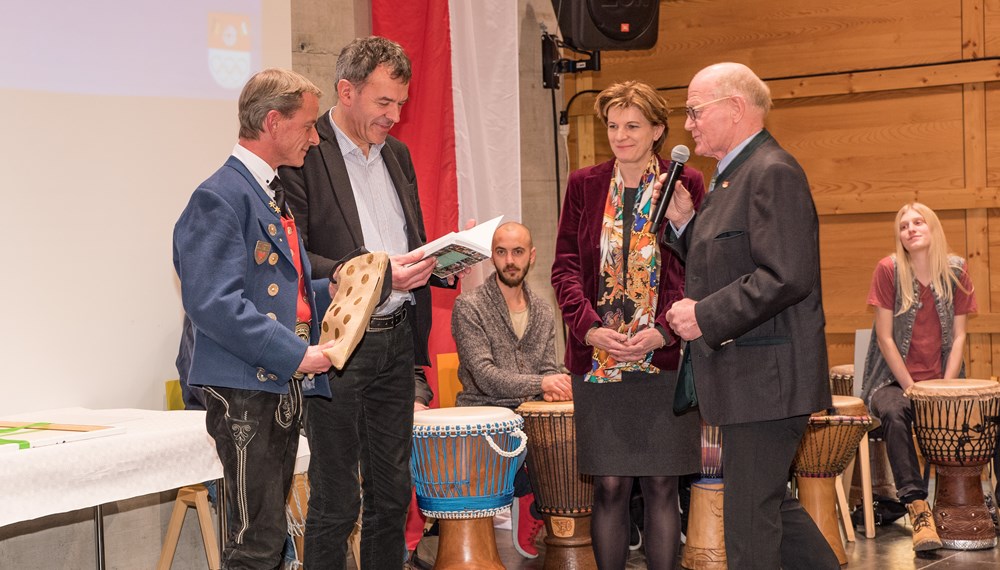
158, 451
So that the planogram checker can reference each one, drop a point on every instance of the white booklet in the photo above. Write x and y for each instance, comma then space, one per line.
457, 250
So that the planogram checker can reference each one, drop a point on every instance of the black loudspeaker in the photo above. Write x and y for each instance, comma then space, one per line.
608, 24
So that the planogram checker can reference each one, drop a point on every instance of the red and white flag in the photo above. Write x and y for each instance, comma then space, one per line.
461, 122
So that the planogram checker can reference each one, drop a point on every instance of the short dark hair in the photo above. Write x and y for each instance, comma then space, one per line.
360, 58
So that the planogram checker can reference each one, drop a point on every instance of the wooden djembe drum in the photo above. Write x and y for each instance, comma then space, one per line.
956, 427
705, 548
842, 380
563, 495
463, 465
829, 444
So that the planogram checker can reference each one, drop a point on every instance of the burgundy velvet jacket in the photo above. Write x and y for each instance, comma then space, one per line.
576, 269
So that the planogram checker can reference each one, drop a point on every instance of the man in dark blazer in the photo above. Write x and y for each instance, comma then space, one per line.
358, 191
752, 315
246, 289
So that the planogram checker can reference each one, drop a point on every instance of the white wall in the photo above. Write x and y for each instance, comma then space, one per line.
92, 185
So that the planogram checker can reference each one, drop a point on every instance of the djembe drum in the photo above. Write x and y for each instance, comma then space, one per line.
842, 380
705, 548
463, 465
956, 426
563, 496
828, 445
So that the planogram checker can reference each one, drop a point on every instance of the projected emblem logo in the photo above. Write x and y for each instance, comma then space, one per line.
229, 49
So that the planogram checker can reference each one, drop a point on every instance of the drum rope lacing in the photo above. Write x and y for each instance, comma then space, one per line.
444, 493
510, 427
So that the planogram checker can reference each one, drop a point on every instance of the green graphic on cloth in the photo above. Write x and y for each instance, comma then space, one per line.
20, 443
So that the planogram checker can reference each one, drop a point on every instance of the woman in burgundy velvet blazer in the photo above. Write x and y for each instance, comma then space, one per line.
626, 430
576, 268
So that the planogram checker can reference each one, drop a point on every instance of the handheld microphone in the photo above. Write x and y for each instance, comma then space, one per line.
679, 155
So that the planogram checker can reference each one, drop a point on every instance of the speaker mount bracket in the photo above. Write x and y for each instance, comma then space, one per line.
553, 66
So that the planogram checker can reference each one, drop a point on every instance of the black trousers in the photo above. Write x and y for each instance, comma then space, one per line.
895, 411
765, 528
256, 435
367, 423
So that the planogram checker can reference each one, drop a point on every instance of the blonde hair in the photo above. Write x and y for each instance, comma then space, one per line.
639, 95
942, 275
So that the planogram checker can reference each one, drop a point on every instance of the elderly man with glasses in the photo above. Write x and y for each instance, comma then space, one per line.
752, 316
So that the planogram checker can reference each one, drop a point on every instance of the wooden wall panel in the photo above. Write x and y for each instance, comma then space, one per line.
991, 27
876, 148
776, 36
992, 135
840, 348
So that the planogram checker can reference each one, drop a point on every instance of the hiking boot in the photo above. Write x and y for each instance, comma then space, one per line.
524, 526
925, 536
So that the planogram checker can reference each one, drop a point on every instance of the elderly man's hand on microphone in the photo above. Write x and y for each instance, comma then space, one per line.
680, 210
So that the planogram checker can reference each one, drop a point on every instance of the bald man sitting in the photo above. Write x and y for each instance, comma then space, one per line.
506, 351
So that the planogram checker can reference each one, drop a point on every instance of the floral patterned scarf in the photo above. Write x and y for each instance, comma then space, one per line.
635, 291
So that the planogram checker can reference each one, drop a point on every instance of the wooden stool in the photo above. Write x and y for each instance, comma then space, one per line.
190, 496
844, 482
296, 512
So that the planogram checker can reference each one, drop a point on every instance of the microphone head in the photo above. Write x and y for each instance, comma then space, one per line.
680, 153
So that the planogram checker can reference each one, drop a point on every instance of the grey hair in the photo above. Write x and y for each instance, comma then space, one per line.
271, 89
738, 79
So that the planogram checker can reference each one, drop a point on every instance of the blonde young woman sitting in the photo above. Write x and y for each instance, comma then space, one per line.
921, 296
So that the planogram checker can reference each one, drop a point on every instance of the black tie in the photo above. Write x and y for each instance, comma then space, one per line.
279, 196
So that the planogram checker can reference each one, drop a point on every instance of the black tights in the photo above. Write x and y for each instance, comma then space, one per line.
610, 524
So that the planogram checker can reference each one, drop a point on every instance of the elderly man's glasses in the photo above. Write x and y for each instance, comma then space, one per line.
694, 113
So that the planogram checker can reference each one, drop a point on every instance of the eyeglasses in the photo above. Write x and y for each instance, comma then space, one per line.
693, 112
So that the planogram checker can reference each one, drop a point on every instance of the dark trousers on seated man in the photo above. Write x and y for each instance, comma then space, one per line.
257, 436
367, 422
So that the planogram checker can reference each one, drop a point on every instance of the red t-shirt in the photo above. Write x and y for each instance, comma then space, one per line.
923, 361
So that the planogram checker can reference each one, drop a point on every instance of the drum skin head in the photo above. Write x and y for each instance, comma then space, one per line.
849, 406
955, 388
462, 416
543, 407
842, 370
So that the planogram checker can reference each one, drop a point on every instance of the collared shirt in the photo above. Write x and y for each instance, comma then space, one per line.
261, 171
382, 221
726, 160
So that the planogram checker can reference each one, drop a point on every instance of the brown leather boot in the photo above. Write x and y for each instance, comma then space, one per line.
925, 536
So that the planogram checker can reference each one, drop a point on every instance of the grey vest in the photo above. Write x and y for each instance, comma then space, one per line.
877, 373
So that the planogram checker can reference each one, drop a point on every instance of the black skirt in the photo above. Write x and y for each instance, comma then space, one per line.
629, 428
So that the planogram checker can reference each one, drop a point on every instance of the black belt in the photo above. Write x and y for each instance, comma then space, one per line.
379, 323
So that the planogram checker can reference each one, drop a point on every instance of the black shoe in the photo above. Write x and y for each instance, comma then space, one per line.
415, 563
433, 530
885, 510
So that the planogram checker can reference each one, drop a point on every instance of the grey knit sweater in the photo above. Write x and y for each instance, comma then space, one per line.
495, 367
